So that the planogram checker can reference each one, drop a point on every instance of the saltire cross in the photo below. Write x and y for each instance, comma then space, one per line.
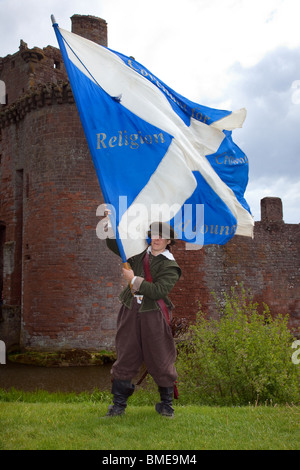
157, 155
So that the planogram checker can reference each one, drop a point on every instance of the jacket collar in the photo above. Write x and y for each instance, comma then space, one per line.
167, 254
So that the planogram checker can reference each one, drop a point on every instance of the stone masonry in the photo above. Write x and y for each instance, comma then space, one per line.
60, 283
268, 265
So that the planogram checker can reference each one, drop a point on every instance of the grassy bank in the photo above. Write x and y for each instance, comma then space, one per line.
67, 421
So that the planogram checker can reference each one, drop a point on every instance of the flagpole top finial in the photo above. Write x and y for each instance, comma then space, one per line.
53, 20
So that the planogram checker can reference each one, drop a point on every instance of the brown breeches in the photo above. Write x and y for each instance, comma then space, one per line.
144, 337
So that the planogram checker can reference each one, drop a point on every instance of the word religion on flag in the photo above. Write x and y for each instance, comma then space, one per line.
156, 150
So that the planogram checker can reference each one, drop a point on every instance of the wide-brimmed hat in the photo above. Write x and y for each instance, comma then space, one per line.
163, 230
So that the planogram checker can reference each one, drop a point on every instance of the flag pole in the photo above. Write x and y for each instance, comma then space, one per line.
109, 214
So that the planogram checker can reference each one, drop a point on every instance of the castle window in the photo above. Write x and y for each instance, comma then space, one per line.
56, 64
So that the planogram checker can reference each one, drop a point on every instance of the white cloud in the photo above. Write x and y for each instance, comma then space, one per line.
270, 136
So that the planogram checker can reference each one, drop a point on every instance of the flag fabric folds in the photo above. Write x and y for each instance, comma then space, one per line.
157, 155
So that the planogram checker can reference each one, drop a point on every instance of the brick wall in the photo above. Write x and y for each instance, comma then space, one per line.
60, 282
90, 27
68, 280
30, 68
53, 265
268, 265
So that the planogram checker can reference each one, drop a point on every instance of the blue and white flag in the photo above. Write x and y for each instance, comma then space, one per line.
157, 155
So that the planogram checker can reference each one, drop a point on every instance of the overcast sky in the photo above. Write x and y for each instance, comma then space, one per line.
227, 54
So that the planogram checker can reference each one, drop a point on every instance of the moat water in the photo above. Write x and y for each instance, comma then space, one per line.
55, 379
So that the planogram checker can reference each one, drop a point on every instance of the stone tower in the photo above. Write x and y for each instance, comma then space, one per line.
59, 281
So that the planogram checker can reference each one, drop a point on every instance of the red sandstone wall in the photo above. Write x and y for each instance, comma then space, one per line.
90, 27
55, 266
29, 68
69, 280
268, 265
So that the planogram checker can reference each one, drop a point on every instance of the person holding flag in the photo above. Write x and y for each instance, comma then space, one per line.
144, 332
152, 146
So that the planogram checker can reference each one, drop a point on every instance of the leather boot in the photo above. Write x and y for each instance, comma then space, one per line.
165, 408
121, 390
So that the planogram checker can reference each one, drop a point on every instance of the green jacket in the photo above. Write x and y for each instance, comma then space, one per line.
165, 273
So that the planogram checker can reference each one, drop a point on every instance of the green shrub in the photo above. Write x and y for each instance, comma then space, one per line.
244, 357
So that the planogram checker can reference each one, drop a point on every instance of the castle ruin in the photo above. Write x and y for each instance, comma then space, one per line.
60, 283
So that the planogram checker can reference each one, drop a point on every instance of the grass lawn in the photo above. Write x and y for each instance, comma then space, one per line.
48, 423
